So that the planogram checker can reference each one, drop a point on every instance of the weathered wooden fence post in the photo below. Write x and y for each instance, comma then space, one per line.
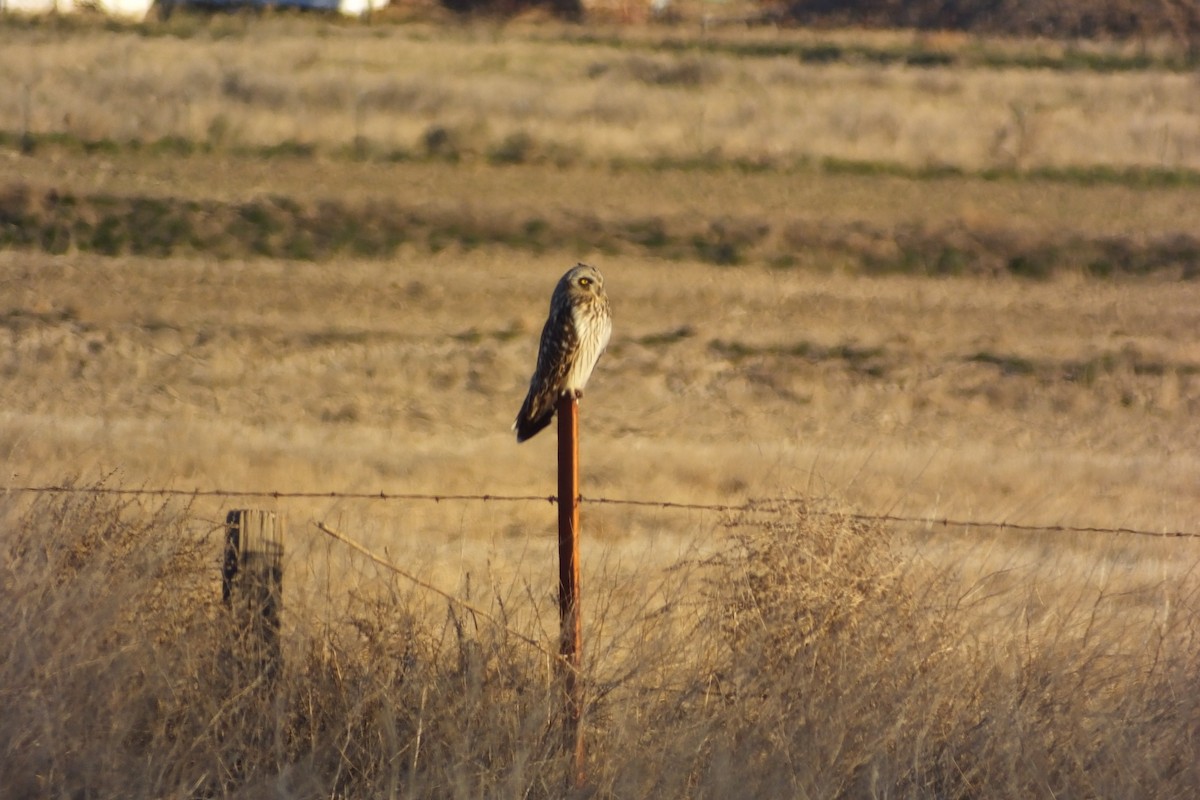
570, 618
252, 588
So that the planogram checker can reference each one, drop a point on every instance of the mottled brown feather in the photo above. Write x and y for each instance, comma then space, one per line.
556, 350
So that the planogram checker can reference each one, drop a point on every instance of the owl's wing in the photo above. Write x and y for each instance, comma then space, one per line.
557, 350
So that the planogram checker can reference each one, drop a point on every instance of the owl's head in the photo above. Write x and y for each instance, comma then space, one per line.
582, 280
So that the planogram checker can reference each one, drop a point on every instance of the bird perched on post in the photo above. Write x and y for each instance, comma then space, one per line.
574, 336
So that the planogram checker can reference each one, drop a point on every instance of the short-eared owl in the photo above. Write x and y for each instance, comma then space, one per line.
573, 338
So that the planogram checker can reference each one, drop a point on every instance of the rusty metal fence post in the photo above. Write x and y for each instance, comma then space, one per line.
570, 618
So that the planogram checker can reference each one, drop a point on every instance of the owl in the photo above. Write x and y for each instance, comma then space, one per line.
573, 338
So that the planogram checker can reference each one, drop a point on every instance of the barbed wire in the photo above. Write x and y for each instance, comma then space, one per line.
275, 494
458, 601
750, 505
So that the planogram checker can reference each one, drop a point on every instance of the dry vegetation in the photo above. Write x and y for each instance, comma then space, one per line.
803, 658
403, 91
320, 263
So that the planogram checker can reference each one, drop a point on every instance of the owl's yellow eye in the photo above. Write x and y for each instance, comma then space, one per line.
585, 281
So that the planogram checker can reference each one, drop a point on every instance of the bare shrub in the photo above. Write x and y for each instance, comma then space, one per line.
804, 650
808, 657
102, 602
671, 72
120, 681
824, 664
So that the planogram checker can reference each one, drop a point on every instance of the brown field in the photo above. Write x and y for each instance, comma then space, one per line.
516, 93
785, 650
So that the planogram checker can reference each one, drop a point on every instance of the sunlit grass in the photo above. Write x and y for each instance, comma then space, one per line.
321, 263
511, 97
799, 652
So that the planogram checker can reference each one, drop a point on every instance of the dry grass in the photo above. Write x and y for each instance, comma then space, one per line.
786, 652
792, 650
1072, 400
500, 94
807, 656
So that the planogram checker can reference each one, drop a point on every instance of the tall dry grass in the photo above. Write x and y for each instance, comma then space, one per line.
808, 655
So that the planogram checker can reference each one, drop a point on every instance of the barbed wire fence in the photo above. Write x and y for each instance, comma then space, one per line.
723, 508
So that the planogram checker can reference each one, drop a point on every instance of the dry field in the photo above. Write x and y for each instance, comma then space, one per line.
196, 316
771, 98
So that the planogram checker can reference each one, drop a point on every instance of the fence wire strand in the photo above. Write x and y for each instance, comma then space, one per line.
388, 565
724, 508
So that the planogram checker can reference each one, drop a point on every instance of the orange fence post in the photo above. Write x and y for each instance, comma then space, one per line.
570, 618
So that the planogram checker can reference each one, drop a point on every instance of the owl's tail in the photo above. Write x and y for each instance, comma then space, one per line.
531, 421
